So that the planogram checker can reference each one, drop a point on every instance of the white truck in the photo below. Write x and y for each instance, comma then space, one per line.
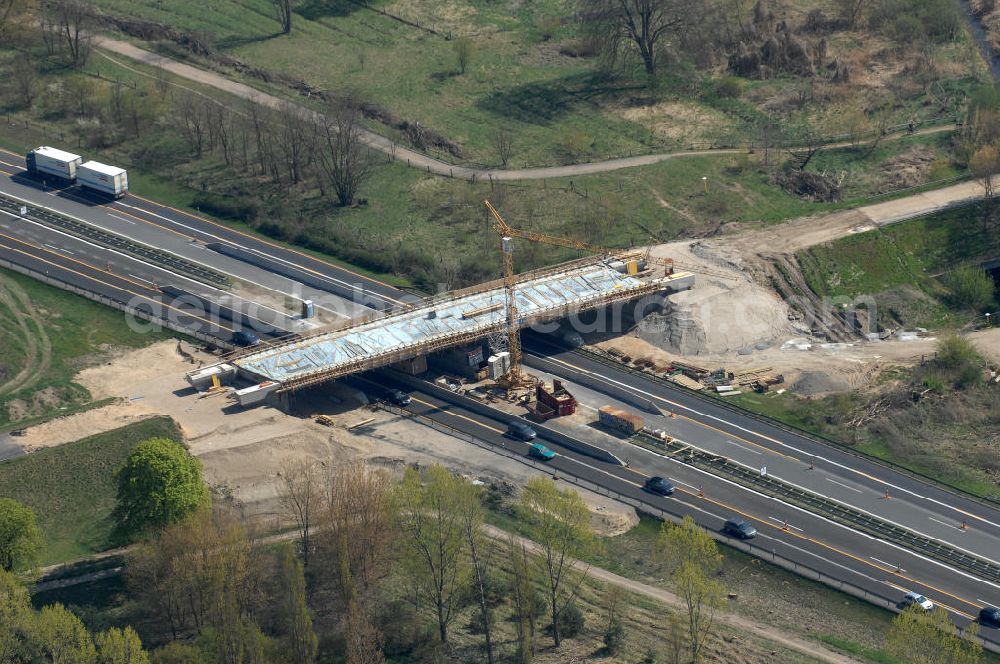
52, 161
103, 179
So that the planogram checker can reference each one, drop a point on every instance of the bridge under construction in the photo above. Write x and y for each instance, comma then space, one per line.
445, 321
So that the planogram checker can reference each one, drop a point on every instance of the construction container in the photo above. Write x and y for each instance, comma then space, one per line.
413, 366
619, 419
558, 399
103, 179
498, 364
52, 161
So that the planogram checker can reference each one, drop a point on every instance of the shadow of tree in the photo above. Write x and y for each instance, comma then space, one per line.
236, 41
544, 101
317, 9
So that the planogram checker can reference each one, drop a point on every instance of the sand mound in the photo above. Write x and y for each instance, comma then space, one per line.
815, 383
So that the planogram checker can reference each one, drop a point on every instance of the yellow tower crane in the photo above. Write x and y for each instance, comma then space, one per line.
514, 377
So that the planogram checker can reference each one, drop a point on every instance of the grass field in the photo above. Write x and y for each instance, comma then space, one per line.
47, 336
559, 107
900, 265
71, 487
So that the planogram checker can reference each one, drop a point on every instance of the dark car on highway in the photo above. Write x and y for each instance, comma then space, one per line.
521, 431
990, 616
740, 528
659, 486
398, 398
246, 339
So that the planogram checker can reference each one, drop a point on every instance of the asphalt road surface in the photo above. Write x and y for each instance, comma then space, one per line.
185, 234
821, 469
832, 549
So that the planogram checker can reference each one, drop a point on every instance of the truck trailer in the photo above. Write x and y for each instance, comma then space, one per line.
52, 161
616, 418
103, 179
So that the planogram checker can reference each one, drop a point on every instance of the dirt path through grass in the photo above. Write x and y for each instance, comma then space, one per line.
35, 342
419, 160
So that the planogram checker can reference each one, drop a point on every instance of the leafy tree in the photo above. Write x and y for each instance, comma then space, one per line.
693, 556
971, 287
120, 646
20, 538
60, 637
480, 558
919, 637
984, 164
178, 653
429, 517
560, 522
523, 596
955, 352
15, 617
159, 484
297, 627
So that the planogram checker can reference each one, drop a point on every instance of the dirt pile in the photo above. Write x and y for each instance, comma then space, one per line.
906, 169
816, 383
726, 311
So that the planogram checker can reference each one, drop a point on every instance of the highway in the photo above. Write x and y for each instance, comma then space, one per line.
186, 235
790, 532
822, 469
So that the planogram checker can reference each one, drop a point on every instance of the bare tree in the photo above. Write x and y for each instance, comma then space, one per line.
299, 494
297, 140
503, 143
465, 50
480, 555
72, 19
345, 161
560, 522
626, 27
191, 118
355, 527
364, 641
10, 11
429, 519
25, 79
850, 11
283, 11
526, 609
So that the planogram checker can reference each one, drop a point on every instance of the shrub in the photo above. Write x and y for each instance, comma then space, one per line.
954, 352
614, 636
729, 87
571, 621
227, 207
971, 287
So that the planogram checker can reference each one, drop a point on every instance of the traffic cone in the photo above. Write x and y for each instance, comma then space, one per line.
812, 466
886, 497
785, 527
965, 525
701, 492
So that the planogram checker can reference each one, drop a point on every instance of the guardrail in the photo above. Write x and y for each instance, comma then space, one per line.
791, 428
761, 553
831, 509
84, 230
115, 304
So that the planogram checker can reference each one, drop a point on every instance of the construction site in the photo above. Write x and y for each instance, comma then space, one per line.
494, 312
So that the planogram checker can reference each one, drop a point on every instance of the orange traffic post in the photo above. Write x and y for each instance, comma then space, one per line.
701, 492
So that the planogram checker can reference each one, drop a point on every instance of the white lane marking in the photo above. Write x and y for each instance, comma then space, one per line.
945, 523
843, 485
690, 486
777, 442
733, 442
136, 276
127, 221
891, 566
55, 248
784, 523
262, 253
982, 600
837, 524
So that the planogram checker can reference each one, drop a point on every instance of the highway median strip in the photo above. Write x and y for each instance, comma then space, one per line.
109, 240
768, 485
